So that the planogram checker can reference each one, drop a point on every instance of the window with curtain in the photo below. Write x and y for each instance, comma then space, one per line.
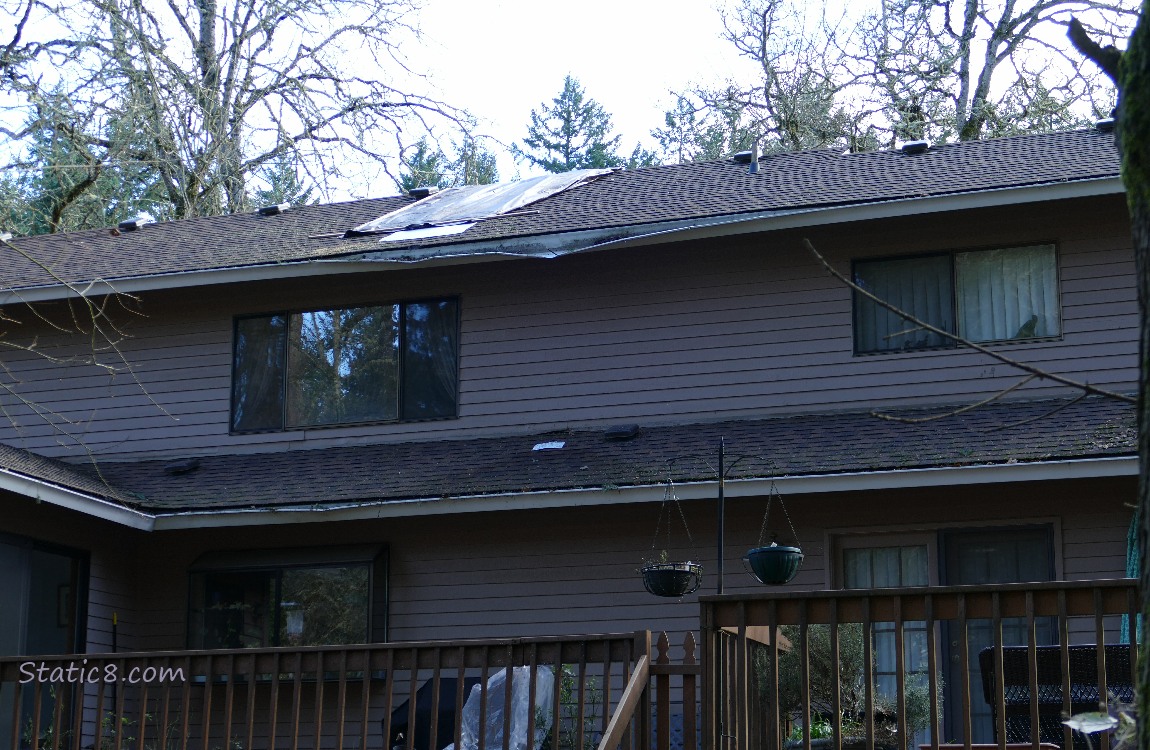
346, 365
1007, 294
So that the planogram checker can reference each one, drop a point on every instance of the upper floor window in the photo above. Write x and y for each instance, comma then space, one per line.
345, 365
1008, 294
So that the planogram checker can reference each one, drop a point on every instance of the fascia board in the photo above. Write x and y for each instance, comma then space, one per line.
43, 492
805, 485
560, 244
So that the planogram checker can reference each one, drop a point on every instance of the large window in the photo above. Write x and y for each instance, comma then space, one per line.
291, 598
345, 365
1009, 294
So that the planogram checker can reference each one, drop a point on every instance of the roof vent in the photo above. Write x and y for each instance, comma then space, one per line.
621, 432
275, 210
423, 192
743, 157
1106, 125
5, 236
914, 147
186, 466
136, 222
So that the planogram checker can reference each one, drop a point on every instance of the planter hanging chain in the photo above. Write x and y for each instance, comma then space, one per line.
669, 497
771, 495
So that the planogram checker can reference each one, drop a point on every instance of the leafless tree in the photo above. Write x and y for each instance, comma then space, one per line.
203, 94
913, 69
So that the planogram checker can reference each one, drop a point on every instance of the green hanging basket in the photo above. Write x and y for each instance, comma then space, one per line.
774, 565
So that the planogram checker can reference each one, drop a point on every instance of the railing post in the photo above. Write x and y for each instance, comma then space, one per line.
707, 660
643, 714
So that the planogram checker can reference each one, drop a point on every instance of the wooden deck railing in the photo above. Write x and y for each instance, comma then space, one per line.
356, 697
896, 668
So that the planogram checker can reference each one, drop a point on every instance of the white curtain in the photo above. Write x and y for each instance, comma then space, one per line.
1007, 294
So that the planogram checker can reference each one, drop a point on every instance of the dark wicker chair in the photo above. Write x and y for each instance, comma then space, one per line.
1083, 687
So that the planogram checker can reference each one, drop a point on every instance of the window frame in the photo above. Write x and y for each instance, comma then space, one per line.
401, 364
374, 557
951, 254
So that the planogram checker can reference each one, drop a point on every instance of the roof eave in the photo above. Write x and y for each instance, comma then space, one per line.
64, 497
565, 243
1089, 468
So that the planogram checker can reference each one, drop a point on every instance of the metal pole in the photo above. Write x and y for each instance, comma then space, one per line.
722, 503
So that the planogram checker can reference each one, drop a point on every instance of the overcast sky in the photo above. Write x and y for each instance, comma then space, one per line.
501, 58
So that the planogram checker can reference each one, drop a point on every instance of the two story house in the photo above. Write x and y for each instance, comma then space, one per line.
475, 413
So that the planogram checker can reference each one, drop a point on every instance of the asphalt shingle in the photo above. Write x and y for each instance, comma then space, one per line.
802, 445
803, 180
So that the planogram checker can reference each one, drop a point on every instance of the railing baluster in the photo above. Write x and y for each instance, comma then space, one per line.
37, 692
437, 659
690, 697
663, 695
964, 669
186, 704
340, 700
229, 697
318, 712
206, 719
805, 679
460, 681
274, 702
250, 707
17, 699
1064, 644
486, 651
581, 712
900, 675
79, 693
532, 671
932, 668
98, 730
1032, 670
999, 678
57, 708
388, 697
836, 670
508, 679
868, 673
296, 701
741, 724
1100, 641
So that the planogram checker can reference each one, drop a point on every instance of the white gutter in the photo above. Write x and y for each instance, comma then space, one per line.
850, 482
43, 492
564, 243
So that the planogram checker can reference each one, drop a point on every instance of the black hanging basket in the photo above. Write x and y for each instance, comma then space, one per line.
672, 579
774, 565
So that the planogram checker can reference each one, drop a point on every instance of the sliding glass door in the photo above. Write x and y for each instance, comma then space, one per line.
42, 595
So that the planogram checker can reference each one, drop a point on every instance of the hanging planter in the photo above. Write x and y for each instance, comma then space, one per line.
774, 564
672, 579
661, 577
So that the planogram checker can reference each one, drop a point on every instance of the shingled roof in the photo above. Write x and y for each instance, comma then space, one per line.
792, 446
789, 182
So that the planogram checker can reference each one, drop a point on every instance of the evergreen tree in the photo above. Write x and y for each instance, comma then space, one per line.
424, 166
573, 132
475, 164
283, 185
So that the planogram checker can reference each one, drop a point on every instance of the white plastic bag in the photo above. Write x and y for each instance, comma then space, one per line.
521, 705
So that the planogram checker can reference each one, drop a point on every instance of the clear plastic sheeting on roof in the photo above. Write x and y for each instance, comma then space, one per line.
476, 202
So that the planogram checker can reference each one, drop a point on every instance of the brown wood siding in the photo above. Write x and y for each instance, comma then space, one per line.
572, 571
749, 326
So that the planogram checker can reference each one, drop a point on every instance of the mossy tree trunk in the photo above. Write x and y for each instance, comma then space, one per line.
1130, 70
